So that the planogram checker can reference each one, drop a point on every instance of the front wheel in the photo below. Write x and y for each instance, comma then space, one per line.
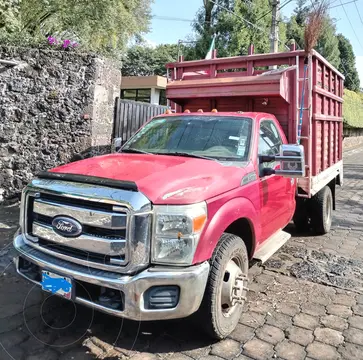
322, 211
226, 289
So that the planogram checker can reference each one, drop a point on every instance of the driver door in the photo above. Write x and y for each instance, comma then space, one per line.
275, 191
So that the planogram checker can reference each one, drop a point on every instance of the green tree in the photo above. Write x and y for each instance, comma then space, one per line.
9, 16
254, 27
347, 64
296, 23
212, 19
237, 24
102, 25
141, 60
328, 43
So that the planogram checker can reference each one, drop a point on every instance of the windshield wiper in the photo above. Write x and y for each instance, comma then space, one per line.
187, 155
134, 151
137, 151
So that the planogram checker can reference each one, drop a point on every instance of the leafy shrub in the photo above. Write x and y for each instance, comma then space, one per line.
353, 108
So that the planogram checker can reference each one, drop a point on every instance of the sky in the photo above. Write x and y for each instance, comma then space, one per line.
349, 22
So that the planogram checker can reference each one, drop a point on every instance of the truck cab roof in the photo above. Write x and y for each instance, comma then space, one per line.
249, 114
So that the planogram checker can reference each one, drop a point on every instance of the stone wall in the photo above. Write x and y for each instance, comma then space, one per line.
353, 137
54, 106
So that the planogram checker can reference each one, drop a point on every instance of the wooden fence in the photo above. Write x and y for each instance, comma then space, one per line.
131, 115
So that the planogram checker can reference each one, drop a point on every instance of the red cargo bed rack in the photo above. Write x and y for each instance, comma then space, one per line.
246, 83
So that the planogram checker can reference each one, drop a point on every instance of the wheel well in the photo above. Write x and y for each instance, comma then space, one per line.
243, 229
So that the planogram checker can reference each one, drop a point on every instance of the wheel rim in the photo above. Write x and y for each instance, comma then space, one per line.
328, 209
234, 289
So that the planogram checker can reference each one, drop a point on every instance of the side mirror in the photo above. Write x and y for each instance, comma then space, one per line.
116, 144
292, 159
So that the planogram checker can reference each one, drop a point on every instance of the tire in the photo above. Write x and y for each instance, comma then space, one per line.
301, 216
229, 262
322, 211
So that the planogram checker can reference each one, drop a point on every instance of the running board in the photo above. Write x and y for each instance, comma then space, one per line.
271, 245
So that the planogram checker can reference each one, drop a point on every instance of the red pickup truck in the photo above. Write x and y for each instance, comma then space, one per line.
166, 228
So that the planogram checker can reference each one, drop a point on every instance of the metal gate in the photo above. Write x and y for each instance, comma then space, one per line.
131, 115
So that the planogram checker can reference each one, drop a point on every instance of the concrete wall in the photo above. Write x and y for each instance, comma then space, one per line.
106, 89
54, 106
353, 137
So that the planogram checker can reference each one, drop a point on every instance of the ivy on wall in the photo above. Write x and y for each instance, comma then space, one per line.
353, 109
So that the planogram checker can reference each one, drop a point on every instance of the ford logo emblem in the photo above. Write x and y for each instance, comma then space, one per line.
66, 226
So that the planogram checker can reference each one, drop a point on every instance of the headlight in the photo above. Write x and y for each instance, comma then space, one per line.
176, 233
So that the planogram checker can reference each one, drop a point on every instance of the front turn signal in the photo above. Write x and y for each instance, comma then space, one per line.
198, 223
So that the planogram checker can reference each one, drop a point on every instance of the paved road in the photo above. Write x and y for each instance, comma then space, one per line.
305, 303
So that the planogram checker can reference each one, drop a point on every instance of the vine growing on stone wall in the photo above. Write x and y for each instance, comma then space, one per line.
65, 44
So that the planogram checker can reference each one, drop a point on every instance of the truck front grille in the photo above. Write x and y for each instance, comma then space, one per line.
113, 237
79, 254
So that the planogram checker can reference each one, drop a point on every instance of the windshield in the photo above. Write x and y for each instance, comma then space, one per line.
214, 137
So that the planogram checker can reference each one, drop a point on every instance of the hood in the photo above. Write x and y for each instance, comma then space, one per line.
164, 179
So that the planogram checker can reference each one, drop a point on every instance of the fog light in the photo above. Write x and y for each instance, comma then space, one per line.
161, 297
110, 298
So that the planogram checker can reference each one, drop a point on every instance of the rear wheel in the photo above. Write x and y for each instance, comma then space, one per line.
226, 289
322, 211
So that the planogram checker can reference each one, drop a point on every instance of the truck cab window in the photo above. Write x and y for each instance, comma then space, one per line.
269, 139
215, 137
269, 143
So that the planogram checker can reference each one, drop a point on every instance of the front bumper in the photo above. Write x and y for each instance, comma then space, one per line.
191, 282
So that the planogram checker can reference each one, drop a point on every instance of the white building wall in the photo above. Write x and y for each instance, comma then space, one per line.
155, 96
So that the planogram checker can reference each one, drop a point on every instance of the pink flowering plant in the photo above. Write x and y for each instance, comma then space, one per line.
65, 44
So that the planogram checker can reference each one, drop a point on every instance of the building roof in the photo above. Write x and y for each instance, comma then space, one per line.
143, 82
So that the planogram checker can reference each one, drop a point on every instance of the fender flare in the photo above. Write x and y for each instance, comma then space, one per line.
232, 210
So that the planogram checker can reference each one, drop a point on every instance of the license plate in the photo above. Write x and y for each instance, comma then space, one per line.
57, 284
